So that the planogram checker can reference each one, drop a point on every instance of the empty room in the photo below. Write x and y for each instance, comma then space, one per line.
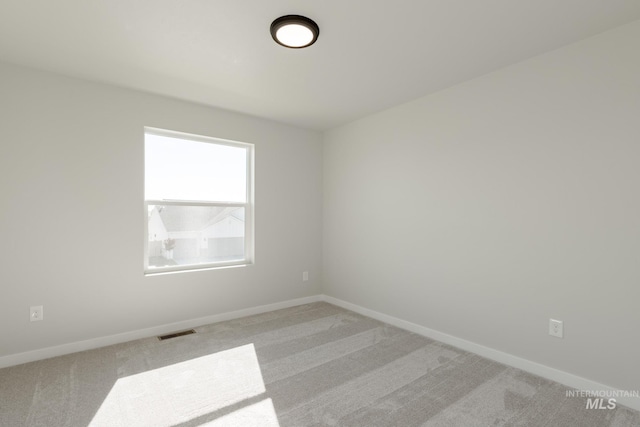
335, 213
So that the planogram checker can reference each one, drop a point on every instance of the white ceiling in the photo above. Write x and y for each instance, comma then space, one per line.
371, 54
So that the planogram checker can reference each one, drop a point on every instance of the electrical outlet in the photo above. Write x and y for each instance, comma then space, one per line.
556, 328
36, 313
305, 276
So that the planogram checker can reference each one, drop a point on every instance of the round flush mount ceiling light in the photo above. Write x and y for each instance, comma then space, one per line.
294, 31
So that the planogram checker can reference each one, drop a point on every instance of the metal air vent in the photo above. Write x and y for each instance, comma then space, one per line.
176, 334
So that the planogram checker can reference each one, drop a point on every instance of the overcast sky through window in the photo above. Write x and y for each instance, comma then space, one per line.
181, 169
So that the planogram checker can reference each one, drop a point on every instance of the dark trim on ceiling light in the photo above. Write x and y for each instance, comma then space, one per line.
295, 20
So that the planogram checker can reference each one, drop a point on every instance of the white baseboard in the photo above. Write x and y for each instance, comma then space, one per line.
547, 372
60, 350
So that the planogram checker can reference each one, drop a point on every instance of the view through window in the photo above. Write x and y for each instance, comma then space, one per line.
197, 200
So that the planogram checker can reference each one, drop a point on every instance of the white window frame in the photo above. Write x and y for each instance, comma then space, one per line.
249, 234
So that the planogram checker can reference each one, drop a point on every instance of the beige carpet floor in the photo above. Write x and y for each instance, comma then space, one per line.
311, 365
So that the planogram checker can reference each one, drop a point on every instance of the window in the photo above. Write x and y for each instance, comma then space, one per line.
198, 202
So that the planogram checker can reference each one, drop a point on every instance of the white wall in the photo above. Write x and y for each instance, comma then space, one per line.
72, 215
485, 209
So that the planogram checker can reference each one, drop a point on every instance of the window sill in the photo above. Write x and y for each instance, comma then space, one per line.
193, 269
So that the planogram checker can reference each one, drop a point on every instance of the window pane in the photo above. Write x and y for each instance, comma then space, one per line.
192, 235
181, 169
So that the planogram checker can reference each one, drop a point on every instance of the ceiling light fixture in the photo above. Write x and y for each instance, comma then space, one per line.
294, 31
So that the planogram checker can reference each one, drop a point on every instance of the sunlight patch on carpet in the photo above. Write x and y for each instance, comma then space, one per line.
184, 391
261, 414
